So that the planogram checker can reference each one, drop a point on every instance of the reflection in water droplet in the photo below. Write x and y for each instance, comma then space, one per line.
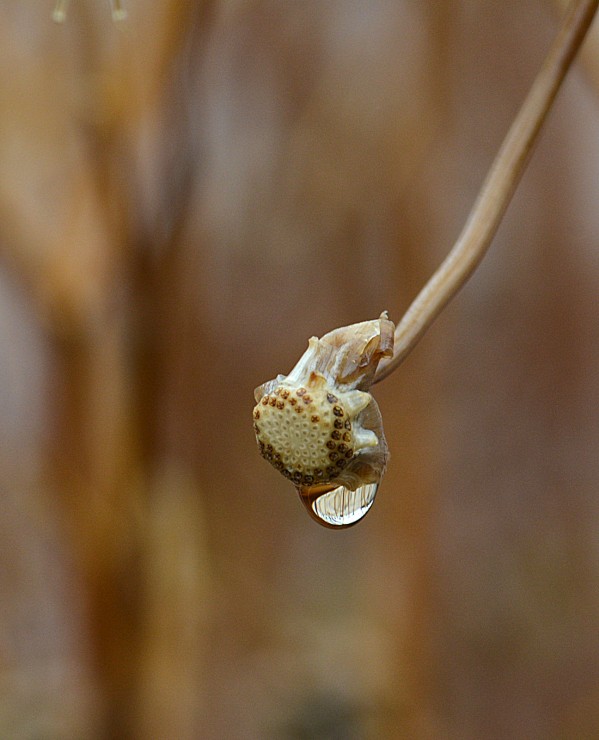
337, 506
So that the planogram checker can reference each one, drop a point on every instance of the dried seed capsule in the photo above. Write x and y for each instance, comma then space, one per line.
332, 379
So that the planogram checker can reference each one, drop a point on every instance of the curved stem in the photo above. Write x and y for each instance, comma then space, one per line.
497, 189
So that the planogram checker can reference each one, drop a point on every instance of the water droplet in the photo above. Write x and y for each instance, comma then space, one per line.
337, 506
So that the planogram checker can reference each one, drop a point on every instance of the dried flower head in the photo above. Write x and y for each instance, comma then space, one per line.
321, 428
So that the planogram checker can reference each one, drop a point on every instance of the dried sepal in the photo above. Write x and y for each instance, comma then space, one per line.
347, 357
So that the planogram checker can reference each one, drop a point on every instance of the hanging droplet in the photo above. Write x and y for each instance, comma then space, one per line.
338, 507
320, 427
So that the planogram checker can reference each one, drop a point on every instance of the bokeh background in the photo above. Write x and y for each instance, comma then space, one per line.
184, 200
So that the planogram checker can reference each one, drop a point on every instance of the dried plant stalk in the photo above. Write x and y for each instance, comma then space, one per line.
299, 419
496, 191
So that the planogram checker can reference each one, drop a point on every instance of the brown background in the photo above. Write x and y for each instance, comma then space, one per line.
183, 202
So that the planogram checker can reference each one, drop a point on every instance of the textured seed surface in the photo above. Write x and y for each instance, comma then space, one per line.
299, 433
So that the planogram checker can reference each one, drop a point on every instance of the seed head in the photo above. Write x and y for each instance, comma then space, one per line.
318, 425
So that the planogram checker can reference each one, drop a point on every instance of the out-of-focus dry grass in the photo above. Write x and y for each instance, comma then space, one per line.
182, 204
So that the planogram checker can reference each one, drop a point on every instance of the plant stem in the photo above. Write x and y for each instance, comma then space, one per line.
497, 189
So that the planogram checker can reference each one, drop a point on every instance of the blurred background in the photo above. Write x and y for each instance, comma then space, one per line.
185, 199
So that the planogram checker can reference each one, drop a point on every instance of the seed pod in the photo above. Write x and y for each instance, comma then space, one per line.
321, 428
